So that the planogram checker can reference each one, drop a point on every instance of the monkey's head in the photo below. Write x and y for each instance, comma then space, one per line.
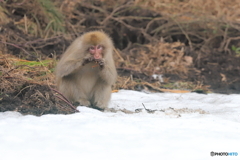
97, 43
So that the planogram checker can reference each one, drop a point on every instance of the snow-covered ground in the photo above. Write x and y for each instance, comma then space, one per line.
191, 126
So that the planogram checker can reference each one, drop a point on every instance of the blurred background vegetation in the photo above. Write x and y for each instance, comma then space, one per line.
161, 45
179, 40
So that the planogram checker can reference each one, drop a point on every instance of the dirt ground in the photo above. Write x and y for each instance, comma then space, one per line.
186, 53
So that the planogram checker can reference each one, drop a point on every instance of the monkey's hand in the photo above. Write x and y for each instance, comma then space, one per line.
101, 62
87, 60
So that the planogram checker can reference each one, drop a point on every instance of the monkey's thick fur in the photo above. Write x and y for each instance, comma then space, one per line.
83, 79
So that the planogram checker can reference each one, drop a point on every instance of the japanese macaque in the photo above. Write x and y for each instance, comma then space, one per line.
86, 71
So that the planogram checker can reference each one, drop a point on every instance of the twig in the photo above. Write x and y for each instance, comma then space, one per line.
63, 98
149, 63
60, 94
14, 45
22, 90
118, 54
144, 106
41, 39
149, 110
94, 7
125, 82
153, 20
225, 35
16, 68
185, 33
150, 38
129, 69
113, 12
228, 41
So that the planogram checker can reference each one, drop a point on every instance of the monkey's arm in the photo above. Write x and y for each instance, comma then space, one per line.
67, 67
108, 71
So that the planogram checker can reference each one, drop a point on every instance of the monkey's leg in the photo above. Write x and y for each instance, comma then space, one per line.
83, 102
71, 88
81, 97
101, 97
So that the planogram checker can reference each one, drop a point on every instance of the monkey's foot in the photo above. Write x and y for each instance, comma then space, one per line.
83, 102
100, 109
100, 106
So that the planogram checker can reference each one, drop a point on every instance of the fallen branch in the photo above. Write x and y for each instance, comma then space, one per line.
63, 98
16, 46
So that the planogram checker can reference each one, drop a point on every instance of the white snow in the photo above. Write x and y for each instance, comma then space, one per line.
197, 125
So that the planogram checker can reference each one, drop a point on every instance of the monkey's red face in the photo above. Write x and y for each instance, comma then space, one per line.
96, 51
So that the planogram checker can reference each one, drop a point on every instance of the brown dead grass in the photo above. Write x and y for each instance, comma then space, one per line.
37, 18
26, 87
197, 22
160, 58
167, 37
196, 9
205, 19
15, 73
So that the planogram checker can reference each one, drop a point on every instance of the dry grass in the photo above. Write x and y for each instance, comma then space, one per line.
196, 9
3, 16
205, 19
200, 24
37, 17
159, 58
14, 70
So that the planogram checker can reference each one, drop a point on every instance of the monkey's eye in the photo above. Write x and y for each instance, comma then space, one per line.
100, 47
92, 48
